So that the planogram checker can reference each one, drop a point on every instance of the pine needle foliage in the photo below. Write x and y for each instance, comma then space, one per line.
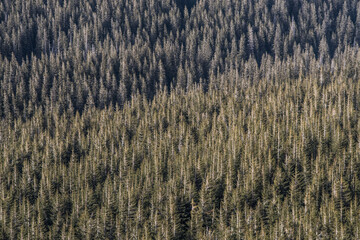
193, 165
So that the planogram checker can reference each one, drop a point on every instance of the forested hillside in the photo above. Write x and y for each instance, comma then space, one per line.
171, 119
67, 55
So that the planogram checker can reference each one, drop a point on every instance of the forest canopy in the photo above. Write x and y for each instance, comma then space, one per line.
170, 119
69, 55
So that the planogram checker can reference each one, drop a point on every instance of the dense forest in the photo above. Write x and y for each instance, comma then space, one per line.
179, 119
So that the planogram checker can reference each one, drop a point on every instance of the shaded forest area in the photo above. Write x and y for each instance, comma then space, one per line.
168, 119
69, 55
